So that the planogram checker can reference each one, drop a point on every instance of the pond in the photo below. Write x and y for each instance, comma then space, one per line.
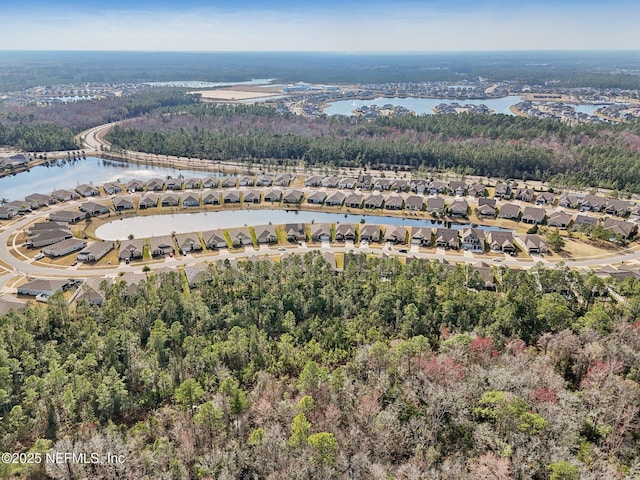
157, 225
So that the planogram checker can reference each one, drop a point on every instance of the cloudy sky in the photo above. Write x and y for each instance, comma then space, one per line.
329, 25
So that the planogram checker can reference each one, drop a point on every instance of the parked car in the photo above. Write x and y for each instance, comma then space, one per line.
38, 256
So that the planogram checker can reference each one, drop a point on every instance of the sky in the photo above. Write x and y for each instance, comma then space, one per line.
330, 25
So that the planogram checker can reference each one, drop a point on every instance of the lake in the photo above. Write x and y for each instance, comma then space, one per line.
157, 225
71, 173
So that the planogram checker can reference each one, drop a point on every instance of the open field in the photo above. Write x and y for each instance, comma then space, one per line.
231, 95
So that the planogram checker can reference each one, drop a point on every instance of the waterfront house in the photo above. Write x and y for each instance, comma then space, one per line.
229, 182
447, 238
148, 200
64, 195
421, 236
160, 245
190, 200
459, 208
344, 232
192, 184
211, 197
273, 196
320, 232
317, 198
435, 205
37, 200
173, 184
265, 234
230, 196
473, 239
240, 236
486, 207
336, 199
131, 249
210, 182
395, 234
354, 200
373, 201
293, 197
170, 200
135, 186
154, 185
87, 190
251, 196
214, 239
414, 203
295, 232
188, 242
393, 202
370, 233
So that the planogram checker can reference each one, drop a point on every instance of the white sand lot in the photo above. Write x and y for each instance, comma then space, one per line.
231, 94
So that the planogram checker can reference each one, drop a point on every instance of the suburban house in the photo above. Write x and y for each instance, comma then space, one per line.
188, 242
214, 239
148, 200
135, 186
560, 220
569, 201
447, 238
435, 205
210, 182
418, 186
132, 281
211, 198
272, 196
42, 286
620, 228
354, 200
320, 232
525, 194
458, 188
283, 179
192, 183
154, 185
364, 181
229, 182
373, 201
160, 245
459, 208
196, 274
344, 232
592, 203
501, 241
251, 196
190, 200
313, 181
486, 276
131, 249
533, 215
264, 180
64, 247
170, 200
486, 207
477, 190
240, 236
545, 198
330, 182
509, 211
173, 184
502, 191
293, 197
399, 185
95, 251
586, 221
317, 198
347, 183
122, 203
381, 184
94, 208
86, 190
91, 291
295, 232
436, 187
64, 195
473, 239
336, 199
421, 236
414, 203
533, 244
370, 233
230, 196
265, 234
37, 200
49, 236
246, 181
395, 234
66, 216
393, 202
7, 213
617, 207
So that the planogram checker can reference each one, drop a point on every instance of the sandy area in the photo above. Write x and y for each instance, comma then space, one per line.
231, 94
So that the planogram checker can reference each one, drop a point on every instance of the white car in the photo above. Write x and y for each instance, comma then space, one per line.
38, 256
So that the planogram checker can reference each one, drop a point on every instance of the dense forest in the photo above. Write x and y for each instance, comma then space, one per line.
493, 145
291, 370
593, 69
